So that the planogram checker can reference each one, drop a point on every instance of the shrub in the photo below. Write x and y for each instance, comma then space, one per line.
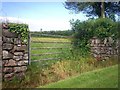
84, 31
105, 27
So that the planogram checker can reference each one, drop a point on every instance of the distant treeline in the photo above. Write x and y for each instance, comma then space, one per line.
66, 33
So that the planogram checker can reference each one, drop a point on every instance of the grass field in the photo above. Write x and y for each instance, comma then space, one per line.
48, 39
101, 78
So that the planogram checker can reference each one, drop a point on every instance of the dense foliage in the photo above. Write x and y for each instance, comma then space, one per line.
101, 28
105, 28
20, 29
94, 8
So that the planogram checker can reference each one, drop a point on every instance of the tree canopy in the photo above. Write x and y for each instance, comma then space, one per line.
94, 8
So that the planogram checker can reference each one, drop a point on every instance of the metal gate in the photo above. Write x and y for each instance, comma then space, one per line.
45, 48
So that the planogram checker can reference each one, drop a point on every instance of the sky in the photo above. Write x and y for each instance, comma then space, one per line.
40, 15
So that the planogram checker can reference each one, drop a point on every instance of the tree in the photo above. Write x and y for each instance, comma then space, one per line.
100, 9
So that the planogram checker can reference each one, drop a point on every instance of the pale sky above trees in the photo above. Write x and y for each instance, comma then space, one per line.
45, 15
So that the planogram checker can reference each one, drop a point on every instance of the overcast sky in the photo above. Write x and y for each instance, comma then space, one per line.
45, 15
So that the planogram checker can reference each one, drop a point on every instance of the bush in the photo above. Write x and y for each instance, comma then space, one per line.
84, 31
105, 27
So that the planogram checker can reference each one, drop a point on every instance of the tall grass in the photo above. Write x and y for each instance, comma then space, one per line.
100, 78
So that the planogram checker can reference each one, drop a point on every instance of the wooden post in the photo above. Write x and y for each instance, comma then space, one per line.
29, 48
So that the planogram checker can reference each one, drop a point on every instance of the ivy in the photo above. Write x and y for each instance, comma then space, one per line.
20, 29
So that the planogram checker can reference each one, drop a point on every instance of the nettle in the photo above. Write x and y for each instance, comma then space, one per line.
20, 29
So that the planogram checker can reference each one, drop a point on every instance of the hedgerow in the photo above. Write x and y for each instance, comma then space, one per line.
101, 28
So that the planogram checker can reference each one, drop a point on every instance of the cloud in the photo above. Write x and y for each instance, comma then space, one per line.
44, 24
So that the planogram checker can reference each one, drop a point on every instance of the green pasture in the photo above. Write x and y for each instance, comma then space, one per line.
65, 45
49, 39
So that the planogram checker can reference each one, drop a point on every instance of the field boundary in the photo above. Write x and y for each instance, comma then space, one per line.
52, 54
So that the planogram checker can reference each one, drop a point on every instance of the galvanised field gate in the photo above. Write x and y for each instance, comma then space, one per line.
45, 48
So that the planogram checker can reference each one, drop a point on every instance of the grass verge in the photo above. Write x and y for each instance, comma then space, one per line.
101, 78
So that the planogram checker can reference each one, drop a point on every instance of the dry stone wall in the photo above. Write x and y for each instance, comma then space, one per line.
0, 56
14, 55
103, 49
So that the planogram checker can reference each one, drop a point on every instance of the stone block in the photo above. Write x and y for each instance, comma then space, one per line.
8, 70
26, 62
8, 77
7, 46
22, 62
102, 45
1, 78
0, 38
25, 56
7, 55
1, 42
5, 62
7, 40
21, 48
11, 62
17, 58
1, 53
17, 69
9, 34
0, 57
4, 26
0, 70
20, 69
0, 62
17, 41
18, 53
14, 48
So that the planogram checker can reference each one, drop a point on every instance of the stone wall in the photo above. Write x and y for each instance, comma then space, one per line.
103, 49
0, 56
14, 55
